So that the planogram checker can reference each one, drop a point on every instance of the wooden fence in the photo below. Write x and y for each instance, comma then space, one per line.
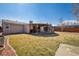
67, 29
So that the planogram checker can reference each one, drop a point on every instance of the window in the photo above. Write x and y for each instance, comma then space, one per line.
7, 27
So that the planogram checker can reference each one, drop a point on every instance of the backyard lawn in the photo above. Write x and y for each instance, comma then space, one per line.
37, 45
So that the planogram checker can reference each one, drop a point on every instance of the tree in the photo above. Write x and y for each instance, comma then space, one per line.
61, 24
75, 10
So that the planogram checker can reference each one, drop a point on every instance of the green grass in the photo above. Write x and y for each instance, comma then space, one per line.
31, 45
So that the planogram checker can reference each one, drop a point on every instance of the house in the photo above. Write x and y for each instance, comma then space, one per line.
71, 23
68, 26
14, 27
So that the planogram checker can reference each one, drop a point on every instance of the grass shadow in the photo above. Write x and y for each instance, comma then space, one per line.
45, 34
37, 34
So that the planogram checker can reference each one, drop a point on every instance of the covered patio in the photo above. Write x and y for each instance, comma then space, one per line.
40, 28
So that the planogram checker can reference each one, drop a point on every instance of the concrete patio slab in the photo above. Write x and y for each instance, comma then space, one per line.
67, 50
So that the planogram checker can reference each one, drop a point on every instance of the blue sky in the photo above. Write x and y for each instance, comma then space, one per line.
43, 12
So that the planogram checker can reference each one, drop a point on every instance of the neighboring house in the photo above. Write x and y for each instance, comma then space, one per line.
10, 27
68, 26
70, 23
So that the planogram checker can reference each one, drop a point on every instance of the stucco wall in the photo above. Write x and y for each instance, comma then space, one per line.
26, 28
12, 28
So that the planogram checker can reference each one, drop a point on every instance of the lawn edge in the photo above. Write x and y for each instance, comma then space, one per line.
7, 39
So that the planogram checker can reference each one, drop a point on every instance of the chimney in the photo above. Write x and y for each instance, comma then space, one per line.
31, 22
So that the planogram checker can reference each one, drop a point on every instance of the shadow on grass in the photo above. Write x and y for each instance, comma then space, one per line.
45, 34
37, 34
